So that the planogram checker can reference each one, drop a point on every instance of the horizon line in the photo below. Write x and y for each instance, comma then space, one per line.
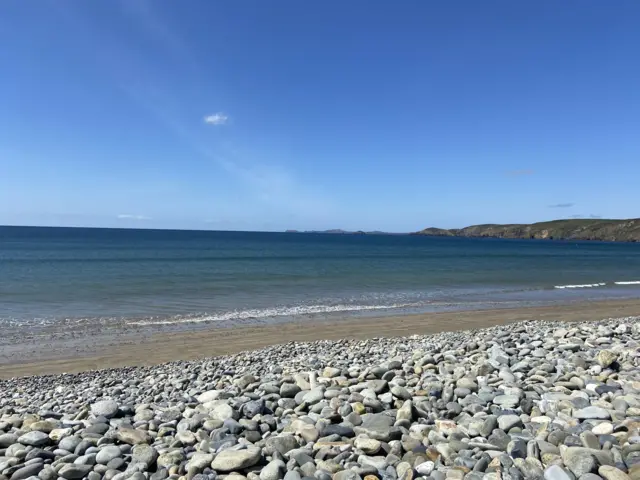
293, 230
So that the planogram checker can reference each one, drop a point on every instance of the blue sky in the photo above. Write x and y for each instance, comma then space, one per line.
258, 115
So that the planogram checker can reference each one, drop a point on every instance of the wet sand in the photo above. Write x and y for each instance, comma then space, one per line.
165, 347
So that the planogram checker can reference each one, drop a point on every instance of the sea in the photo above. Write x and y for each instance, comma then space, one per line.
167, 279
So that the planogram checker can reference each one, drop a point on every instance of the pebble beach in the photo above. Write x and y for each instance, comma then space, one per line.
527, 400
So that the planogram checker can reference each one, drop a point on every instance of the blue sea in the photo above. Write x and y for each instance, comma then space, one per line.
156, 278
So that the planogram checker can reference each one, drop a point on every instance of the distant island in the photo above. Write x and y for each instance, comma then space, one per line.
574, 229
338, 231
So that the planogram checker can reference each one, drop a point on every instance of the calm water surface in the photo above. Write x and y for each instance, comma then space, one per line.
154, 277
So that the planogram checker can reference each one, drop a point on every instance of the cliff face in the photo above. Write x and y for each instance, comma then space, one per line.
580, 229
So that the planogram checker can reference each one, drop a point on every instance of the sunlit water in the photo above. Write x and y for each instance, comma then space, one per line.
70, 277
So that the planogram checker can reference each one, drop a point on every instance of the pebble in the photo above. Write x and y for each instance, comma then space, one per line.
230, 460
555, 472
34, 439
513, 402
612, 473
105, 408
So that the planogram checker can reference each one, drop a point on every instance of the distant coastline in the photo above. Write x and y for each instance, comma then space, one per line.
338, 231
574, 229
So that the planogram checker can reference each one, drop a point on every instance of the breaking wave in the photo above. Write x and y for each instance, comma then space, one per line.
584, 285
271, 312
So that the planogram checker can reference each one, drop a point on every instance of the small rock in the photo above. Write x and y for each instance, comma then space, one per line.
612, 473
145, 454
73, 472
273, 471
331, 372
108, 453
604, 428
425, 468
369, 446
579, 461
605, 358
230, 460
34, 439
507, 422
554, 472
105, 408
132, 436
592, 413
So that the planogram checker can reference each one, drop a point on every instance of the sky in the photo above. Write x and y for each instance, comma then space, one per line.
256, 115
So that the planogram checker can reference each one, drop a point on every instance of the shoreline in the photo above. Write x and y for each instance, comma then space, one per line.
166, 347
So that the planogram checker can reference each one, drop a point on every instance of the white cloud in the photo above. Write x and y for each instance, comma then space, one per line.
216, 119
128, 216
562, 205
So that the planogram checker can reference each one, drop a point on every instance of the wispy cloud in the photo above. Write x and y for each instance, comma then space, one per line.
270, 185
128, 216
595, 216
562, 205
520, 173
216, 119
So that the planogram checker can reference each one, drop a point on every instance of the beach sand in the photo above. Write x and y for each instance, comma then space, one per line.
211, 342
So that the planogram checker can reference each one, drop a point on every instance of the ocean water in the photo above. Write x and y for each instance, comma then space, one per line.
154, 278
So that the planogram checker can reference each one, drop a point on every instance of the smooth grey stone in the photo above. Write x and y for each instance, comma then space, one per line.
313, 396
71, 471
229, 460
289, 390
82, 447
39, 453
274, 470
596, 413
108, 453
88, 459
401, 392
99, 428
8, 439
517, 448
489, 425
145, 454
27, 471
253, 408
160, 474
322, 475
589, 440
338, 429
105, 408
116, 464
554, 472
35, 439
590, 476
507, 401
377, 426
69, 443
110, 474
507, 422
281, 444
579, 461
48, 473
302, 458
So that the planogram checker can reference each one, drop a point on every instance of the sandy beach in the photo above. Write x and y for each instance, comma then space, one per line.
155, 349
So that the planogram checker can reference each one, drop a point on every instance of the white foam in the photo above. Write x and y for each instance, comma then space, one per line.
586, 285
269, 312
632, 282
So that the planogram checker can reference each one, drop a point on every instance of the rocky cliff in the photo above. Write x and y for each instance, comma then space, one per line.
576, 229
